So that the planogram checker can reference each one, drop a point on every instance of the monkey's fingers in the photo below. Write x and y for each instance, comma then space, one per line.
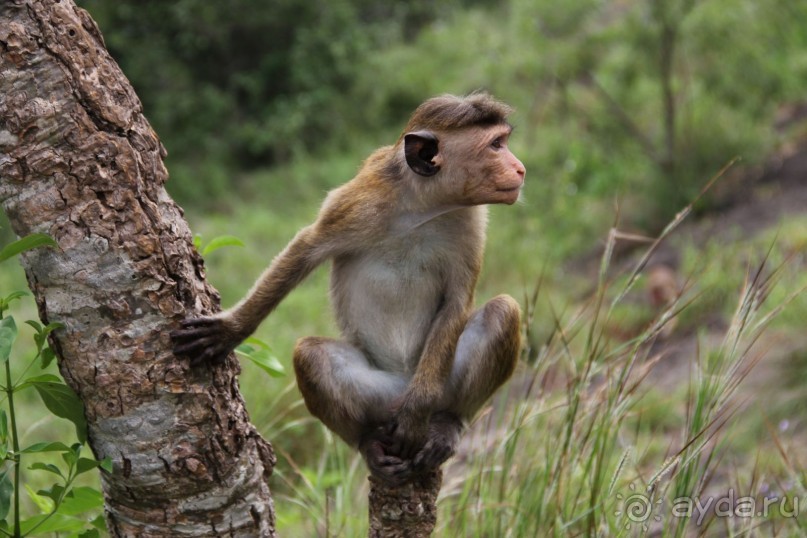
199, 322
211, 355
393, 471
432, 456
187, 334
390, 461
195, 329
193, 347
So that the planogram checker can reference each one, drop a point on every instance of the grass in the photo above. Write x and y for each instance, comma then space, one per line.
574, 461
590, 421
598, 415
594, 417
585, 425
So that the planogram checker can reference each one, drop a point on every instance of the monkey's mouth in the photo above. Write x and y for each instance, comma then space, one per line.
510, 189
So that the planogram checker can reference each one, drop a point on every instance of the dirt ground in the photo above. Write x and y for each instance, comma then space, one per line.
755, 201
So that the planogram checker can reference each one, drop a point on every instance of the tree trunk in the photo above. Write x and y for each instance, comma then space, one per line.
409, 511
79, 161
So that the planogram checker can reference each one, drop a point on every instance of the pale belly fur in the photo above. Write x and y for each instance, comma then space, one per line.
386, 302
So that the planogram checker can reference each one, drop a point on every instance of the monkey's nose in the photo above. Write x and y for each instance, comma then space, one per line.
520, 169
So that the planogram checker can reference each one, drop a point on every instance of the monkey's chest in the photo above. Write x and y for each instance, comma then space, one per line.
386, 302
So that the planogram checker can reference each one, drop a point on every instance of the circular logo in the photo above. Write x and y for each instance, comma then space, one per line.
637, 507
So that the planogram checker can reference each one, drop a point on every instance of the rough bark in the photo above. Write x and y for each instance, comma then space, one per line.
409, 511
79, 161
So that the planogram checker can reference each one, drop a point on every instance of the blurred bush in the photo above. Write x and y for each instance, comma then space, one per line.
643, 97
249, 82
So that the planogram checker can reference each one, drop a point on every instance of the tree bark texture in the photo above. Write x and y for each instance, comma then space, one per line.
409, 511
79, 161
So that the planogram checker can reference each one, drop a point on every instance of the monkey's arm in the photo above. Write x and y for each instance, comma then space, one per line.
212, 338
428, 385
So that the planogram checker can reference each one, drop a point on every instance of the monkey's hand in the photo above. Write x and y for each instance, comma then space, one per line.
445, 429
206, 340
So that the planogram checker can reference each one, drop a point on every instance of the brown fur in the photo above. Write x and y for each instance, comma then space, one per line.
406, 252
451, 113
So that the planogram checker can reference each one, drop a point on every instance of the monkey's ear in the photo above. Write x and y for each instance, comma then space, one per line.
420, 149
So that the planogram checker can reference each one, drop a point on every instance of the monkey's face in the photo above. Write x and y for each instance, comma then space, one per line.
471, 166
498, 175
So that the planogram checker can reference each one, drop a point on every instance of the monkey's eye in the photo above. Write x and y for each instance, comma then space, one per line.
497, 143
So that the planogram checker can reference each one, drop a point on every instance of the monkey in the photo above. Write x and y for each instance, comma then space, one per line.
405, 238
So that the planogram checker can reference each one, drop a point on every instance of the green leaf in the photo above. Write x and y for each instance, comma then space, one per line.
261, 355
5, 301
255, 341
44, 504
43, 378
49, 467
63, 402
41, 336
106, 464
6, 491
26, 243
197, 241
221, 241
82, 499
99, 523
8, 333
55, 492
268, 363
90, 533
86, 464
45, 447
47, 357
52, 326
52, 525
14, 295
71, 456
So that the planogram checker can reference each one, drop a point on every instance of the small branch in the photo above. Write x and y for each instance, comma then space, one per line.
409, 511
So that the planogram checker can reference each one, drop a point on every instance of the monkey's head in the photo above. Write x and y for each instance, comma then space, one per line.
457, 147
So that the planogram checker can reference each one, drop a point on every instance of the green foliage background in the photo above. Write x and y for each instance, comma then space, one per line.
265, 105
241, 85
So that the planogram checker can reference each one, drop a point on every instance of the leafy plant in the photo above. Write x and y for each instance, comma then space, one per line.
216, 243
62, 506
259, 352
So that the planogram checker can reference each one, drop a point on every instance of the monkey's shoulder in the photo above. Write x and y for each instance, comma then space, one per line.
359, 207
381, 164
